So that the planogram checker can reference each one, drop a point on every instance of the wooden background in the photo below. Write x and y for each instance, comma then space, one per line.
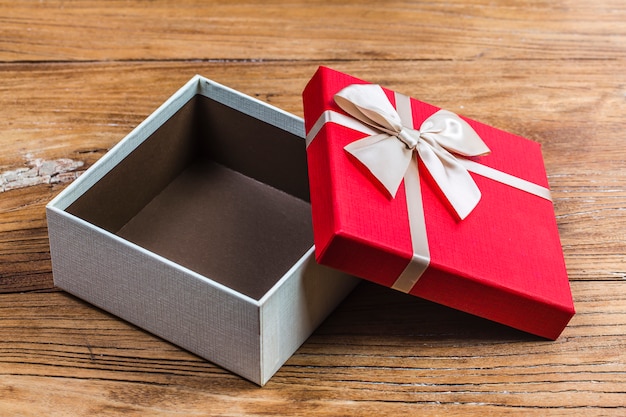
76, 76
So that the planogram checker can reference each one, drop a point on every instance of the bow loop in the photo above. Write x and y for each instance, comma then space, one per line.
387, 155
369, 104
453, 134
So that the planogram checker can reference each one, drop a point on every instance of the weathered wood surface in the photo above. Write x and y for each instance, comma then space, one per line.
75, 77
380, 353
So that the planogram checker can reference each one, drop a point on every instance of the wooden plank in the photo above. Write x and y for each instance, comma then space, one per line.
76, 76
381, 352
257, 30
76, 112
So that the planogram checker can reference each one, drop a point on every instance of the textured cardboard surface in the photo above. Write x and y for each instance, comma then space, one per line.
503, 262
157, 296
215, 221
196, 227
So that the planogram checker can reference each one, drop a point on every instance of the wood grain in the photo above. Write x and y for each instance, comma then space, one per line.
77, 76
55, 31
381, 352
588, 182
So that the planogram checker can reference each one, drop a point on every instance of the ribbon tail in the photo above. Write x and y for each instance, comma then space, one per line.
387, 160
453, 179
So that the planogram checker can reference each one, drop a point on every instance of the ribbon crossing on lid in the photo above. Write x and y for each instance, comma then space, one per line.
393, 142
439, 142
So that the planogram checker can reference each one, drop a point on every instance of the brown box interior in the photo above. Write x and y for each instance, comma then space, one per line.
214, 190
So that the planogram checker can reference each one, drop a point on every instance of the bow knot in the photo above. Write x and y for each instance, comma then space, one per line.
439, 141
410, 137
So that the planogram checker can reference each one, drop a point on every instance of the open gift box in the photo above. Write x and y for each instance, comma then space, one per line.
405, 195
197, 228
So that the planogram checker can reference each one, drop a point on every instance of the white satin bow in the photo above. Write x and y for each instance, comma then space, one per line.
438, 141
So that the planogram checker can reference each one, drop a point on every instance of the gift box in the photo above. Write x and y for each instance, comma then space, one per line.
433, 204
197, 228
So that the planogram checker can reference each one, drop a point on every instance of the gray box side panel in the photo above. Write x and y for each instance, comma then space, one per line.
296, 309
155, 295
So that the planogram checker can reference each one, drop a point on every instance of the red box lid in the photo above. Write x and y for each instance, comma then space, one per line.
503, 262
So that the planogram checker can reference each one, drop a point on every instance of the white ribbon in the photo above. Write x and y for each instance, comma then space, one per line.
438, 141
397, 125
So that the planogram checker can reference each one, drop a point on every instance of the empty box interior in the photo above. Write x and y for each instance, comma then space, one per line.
217, 191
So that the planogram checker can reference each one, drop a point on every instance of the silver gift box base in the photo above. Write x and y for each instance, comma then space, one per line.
196, 227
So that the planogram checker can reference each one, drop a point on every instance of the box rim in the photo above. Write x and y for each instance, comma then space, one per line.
197, 85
